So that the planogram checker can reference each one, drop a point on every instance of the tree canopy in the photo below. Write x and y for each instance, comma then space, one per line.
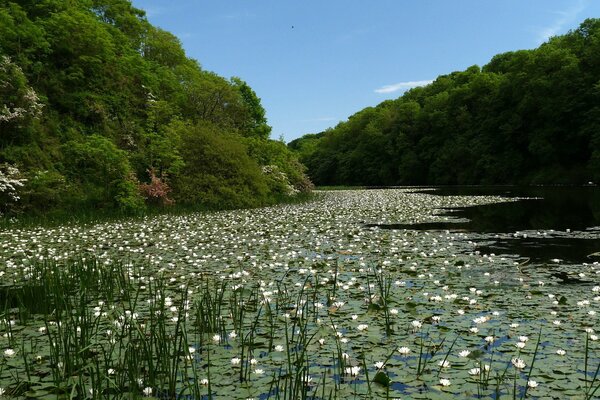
527, 117
96, 104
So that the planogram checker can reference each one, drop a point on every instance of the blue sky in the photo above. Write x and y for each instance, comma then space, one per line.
316, 62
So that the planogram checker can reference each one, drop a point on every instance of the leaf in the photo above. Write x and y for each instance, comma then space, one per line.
382, 378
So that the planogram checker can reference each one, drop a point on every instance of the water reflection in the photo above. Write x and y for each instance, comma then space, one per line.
572, 211
539, 208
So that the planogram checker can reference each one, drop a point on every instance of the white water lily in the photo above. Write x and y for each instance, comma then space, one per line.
532, 384
464, 353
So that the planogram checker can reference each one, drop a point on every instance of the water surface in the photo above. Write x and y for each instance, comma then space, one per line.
542, 224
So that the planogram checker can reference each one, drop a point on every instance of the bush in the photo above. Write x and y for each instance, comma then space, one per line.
218, 171
101, 175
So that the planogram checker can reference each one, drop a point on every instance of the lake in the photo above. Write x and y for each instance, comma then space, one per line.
392, 293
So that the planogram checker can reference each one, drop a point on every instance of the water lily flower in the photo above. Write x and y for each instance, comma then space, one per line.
147, 391
518, 363
532, 384
404, 350
561, 352
445, 382
464, 353
379, 364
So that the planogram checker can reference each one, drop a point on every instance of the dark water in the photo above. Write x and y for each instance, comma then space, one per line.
548, 208
567, 217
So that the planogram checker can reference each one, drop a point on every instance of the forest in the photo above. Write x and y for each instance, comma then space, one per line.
100, 110
526, 117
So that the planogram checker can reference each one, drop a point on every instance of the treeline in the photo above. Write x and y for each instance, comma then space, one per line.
100, 109
527, 117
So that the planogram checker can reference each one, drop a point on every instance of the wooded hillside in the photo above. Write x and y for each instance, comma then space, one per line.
100, 109
527, 117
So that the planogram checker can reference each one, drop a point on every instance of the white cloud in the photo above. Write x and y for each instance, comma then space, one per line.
565, 18
319, 119
154, 11
401, 86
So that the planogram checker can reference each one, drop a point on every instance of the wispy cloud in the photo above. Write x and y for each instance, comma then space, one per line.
564, 18
319, 119
238, 16
154, 11
401, 86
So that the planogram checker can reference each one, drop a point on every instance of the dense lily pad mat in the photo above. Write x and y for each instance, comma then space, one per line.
290, 302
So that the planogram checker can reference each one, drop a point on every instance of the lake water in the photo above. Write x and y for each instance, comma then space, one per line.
542, 224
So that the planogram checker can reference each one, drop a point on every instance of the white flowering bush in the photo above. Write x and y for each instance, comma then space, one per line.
18, 101
10, 183
278, 180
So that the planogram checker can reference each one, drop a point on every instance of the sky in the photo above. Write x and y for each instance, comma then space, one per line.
314, 63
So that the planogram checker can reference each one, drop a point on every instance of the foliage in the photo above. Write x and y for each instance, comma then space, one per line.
92, 96
527, 117
218, 171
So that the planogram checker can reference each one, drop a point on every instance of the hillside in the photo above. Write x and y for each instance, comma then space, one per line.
101, 110
527, 117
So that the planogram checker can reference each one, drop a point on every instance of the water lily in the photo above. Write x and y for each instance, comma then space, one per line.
404, 350
354, 371
464, 353
445, 382
532, 384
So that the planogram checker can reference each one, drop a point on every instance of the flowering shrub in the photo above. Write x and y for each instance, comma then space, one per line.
19, 101
278, 180
157, 191
10, 182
